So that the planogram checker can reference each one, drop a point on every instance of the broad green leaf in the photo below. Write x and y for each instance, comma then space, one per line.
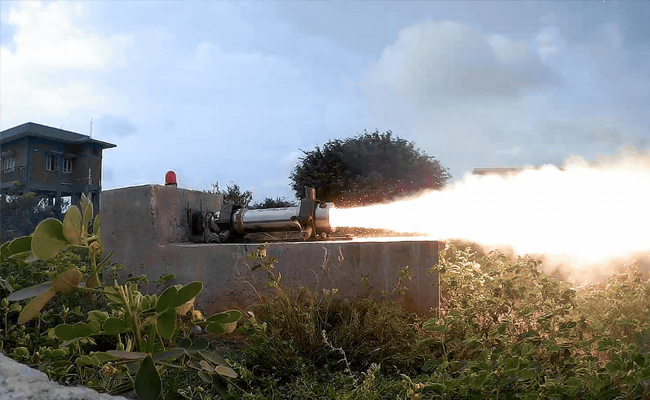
127, 355
67, 281
480, 379
185, 343
96, 229
104, 357
48, 239
19, 245
184, 308
212, 356
525, 374
26, 256
33, 307
170, 354
30, 291
166, 299
112, 295
114, 326
187, 293
205, 376
72, 225
199, 344
167, 323
4, 249
215, 328
93, 280
148, 385
97, 315
87, 360
226, 317
226, 371
86, 210
436, 387
229, 327
69, 332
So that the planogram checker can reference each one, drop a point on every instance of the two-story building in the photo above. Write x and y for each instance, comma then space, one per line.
51, 162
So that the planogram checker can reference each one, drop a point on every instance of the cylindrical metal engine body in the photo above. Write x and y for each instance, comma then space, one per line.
266, 220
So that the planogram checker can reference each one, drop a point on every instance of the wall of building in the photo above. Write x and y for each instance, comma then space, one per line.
150, 225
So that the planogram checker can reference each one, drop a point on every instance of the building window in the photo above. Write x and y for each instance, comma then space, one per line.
9, 163
50, 163
67, 164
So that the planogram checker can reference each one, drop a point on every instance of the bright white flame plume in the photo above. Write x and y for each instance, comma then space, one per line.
581, 215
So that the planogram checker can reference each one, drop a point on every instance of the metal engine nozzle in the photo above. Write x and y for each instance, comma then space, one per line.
307, 221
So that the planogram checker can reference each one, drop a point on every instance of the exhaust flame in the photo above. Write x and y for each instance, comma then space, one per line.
579, 215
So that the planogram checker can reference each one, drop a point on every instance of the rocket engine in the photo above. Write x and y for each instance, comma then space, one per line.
307, 221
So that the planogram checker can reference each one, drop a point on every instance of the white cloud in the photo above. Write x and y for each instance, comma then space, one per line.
52, 70
475, 100
547, 42
436, 59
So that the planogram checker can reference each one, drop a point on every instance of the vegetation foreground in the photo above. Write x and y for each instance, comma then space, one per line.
505, 331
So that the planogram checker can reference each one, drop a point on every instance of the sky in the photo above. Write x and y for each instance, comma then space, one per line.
234, 91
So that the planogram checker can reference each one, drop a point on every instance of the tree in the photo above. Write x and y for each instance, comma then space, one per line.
270, 202
233, 194
368, 168
21, 212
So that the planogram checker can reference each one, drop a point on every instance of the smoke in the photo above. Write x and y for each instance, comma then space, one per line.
583, 218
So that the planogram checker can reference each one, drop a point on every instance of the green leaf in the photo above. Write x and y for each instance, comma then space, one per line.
93, 280
167, 323
225, 371
19, 245
33, 307
430, 324
70, 332
525, 374
170, 354
199, 344
436, 387
30, 291
185, 343
225, 317
148, 385
87, 360
87, 210
205, 376
127, 355
114, 326
480, 379
212, 356
72, 225
166, 300
97, 315
48, 239
112, 295
187, 293
215, 328
67, 281
96, 228
4, 249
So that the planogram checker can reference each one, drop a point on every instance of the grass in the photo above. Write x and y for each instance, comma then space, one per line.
505, 331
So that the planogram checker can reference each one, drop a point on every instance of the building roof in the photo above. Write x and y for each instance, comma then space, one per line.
48, 132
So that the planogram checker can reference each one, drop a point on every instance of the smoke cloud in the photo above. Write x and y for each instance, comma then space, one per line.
583, 217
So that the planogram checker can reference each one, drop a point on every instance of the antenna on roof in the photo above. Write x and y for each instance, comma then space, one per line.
91, 128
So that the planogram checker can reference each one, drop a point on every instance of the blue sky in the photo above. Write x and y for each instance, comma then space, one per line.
233, 90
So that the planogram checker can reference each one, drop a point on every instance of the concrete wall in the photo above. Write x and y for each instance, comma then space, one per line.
150, 225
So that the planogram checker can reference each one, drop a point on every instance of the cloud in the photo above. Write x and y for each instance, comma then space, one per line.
51, 66
475, 100
437, 59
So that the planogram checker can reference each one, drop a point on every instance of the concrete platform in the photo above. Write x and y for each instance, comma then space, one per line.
150, 225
